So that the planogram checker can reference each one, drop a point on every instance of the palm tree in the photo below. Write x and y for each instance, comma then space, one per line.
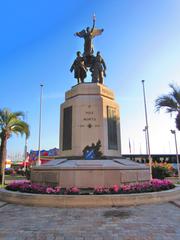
10, 122
171, 102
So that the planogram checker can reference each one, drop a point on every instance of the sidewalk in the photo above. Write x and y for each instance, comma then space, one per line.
146, 222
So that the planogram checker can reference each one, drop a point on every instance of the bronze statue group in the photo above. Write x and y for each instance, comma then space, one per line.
82, 63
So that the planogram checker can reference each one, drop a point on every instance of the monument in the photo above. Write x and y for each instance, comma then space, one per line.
90, 141
89, 112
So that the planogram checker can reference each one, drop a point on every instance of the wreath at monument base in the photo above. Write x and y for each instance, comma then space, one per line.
93, 151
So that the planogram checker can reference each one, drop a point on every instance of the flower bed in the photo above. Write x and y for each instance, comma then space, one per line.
162, 170
152, 186
28, 187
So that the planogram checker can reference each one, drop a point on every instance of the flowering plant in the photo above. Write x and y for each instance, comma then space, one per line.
27, 186
101, 190
162, 170
151, 186
54, 190
73, 191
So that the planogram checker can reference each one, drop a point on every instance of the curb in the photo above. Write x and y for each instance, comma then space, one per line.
86, 201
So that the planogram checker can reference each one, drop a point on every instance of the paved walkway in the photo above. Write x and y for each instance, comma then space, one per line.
146, 222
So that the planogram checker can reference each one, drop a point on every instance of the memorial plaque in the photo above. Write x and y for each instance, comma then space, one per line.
112, 128
67, 128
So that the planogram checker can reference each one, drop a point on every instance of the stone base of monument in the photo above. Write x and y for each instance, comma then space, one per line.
89, 113
89, 173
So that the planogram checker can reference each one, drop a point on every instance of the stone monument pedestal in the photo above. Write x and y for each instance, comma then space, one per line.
89, 114
90, 173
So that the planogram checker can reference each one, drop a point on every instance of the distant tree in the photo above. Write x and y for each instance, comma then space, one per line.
10, 122
171, 102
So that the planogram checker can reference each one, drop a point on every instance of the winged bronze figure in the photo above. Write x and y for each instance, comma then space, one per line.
88, 34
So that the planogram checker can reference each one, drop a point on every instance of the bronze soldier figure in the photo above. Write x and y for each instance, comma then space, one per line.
95, 64
98, 69
79, 68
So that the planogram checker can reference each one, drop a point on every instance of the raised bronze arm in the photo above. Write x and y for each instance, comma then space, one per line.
94, 22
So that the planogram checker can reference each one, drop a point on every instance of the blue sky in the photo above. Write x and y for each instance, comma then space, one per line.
141, 40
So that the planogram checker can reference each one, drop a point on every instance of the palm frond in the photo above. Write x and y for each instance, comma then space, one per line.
175, 93
166, 101
19, 114
171, 102
19, 127
10, 122
12, 117
4, 114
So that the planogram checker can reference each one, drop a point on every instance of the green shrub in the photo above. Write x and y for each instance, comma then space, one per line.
160, 172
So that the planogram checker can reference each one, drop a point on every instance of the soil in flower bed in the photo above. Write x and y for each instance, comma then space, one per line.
152, 186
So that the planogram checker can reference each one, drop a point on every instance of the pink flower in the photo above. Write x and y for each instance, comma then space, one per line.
99, 189
126, 188
115, 188
57, 189
50, 190
74, 190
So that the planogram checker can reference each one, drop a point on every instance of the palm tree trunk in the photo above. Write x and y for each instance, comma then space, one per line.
3, 152
178, 121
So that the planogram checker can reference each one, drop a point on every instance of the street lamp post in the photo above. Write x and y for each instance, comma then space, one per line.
145, 134
177, 158
40, 113
147, 131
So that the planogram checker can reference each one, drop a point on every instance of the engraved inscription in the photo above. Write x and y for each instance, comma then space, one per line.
89, 117
89, 112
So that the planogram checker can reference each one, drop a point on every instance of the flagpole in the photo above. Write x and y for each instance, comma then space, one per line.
177, 157
40, 113
147, 131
